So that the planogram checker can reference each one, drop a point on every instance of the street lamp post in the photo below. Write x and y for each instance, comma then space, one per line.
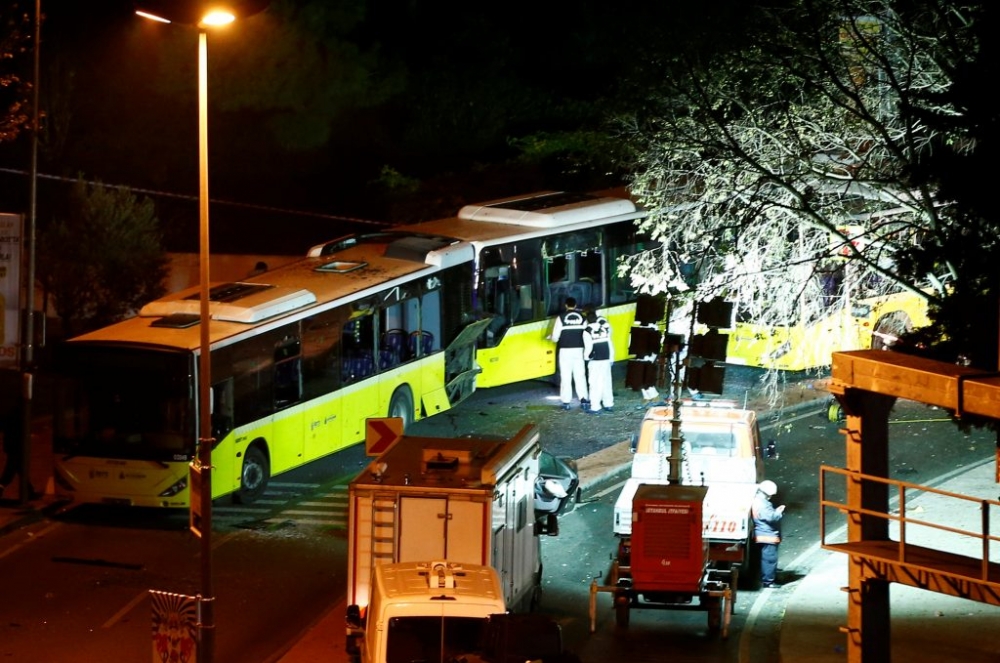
205, 440
201, 476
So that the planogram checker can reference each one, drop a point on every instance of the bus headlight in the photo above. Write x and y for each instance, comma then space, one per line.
178, 486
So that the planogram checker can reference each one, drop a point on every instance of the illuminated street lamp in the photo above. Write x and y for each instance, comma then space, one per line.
203, 15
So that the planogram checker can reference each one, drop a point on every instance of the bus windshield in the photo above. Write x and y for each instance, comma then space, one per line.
128, 403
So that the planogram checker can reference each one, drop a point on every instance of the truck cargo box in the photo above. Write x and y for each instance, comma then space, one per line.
465, 500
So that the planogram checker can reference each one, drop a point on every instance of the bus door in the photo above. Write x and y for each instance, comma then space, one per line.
399, 381
359, 392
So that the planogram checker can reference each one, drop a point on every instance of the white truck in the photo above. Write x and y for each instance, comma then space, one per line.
421, 611
721, 450
714, 447
442, 611
466, 500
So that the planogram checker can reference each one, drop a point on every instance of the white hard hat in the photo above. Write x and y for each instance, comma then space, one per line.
768, 488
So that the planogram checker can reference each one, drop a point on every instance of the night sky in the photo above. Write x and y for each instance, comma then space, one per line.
306, 121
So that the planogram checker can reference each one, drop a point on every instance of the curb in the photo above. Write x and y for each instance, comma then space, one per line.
26, 515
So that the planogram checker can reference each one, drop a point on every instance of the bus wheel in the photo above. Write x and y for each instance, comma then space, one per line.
889, 328
254, 476
401, 405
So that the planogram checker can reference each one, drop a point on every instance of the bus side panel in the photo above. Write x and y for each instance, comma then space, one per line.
621, 318
226, 466
358, 403
799, 347
323, 428
525, 353
289, 428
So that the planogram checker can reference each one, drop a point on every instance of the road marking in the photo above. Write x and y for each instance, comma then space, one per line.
324, 522
32, 538
124, 611
323, 509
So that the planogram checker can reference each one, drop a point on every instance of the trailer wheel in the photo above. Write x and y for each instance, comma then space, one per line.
714, 607
622, 607
734, 587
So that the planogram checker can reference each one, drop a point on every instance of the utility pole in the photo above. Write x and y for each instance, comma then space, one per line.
28, 354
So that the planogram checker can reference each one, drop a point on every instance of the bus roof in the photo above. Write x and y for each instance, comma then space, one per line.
533, 215
355, 268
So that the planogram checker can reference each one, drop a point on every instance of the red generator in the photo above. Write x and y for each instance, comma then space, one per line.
665, 563
669, 554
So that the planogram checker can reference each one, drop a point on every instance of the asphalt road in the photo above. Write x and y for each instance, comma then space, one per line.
575, 434
75, 587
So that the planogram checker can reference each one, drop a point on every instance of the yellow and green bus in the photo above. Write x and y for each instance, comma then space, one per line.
404, 323
301, 356
874, 321
534, 251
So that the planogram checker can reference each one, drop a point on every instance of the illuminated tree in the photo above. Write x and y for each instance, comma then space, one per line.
787, 175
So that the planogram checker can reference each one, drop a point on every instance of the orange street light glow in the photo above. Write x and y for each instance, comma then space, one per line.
214, 18
217, 17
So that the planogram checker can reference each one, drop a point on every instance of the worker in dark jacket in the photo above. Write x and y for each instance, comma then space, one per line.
599, 354
767, 530
567, 334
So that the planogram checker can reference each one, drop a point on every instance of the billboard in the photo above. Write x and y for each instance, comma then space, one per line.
11, 226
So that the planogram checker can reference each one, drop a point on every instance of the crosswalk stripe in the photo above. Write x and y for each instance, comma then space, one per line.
307, 521
328, 508
302, 512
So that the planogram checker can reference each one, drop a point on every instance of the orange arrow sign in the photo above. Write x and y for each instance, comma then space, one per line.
381, 433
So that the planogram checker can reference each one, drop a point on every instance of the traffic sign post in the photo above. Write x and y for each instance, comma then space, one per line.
381, 433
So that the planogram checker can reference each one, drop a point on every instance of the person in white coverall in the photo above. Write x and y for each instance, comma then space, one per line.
567, 334
599, 353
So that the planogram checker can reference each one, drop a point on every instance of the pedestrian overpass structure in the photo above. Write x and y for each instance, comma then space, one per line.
884, 542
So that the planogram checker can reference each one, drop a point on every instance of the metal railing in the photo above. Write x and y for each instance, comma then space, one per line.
911, 510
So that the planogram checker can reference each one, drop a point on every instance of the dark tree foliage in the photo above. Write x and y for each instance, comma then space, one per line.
15, 69
958, 164
102, 259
